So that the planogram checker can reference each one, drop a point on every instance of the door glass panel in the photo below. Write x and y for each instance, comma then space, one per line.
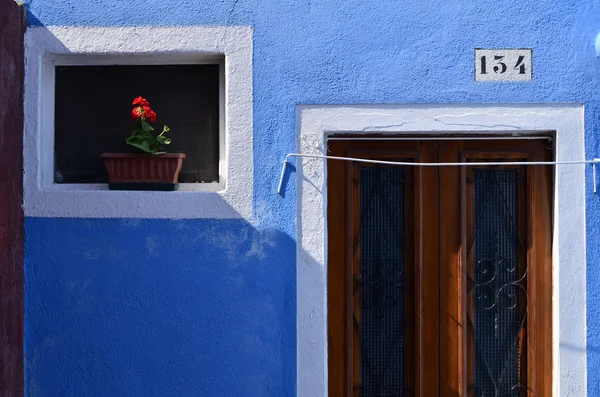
380, 284
498, 300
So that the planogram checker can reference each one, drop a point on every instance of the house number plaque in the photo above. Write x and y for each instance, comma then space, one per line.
503, 65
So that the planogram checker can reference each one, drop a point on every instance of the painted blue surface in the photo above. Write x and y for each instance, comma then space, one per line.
195, 315
159, 308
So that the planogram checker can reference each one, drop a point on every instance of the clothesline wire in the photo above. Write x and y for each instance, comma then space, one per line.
415, 164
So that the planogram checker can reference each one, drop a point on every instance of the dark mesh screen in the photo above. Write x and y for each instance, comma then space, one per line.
382, 262
497, 291
92, 116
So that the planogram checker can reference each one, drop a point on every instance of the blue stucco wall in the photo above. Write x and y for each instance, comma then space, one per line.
206, 307
159, 308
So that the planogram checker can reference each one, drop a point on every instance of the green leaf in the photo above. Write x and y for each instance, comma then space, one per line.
134, 139
143, 139
147, 127
163, 140
141, 144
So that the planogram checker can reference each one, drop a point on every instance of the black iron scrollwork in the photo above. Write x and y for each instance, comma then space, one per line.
499, 283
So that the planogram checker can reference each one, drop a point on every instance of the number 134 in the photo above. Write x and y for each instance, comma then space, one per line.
500, 66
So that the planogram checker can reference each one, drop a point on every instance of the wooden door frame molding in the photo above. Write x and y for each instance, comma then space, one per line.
316, 123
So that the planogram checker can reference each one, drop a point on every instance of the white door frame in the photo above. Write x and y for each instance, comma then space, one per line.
315, 123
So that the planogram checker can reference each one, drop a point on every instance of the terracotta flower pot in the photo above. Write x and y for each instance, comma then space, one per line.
140, 171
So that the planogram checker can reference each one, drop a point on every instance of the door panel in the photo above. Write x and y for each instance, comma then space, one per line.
378, 330
508, 220
439, 278
496, 281
383, 283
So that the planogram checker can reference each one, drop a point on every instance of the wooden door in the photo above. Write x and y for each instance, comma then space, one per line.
439, 278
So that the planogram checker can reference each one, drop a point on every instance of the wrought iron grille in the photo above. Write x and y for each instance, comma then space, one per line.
499, 291
381, 282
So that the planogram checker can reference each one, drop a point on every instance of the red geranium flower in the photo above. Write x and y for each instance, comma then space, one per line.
137, 112
141, 101
143, 136
149, 114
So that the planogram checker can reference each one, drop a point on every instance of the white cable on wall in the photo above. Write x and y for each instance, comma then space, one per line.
413, 164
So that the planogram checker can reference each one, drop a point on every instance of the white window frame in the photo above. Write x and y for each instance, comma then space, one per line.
569, 253
229, 47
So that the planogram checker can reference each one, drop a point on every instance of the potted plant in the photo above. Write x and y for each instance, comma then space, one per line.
151, 168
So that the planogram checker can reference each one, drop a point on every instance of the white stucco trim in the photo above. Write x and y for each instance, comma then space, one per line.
46, 47
569, 267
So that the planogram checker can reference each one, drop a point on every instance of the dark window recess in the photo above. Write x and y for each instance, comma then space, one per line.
92, 116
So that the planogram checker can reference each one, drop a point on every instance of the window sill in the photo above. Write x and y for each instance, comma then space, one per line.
73, 201
183, 187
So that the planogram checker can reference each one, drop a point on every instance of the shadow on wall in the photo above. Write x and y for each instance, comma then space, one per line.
118, 307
